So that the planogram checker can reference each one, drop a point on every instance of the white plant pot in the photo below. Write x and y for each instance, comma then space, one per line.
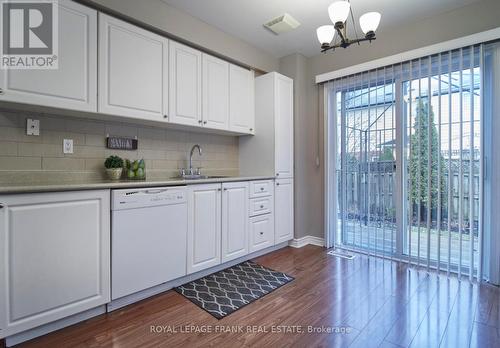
114, 173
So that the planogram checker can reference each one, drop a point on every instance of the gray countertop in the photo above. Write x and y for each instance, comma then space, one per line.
108, 184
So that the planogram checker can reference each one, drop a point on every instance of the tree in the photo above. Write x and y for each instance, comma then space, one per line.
420, 152
387, 154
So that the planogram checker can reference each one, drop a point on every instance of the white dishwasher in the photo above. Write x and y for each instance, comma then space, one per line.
148, 238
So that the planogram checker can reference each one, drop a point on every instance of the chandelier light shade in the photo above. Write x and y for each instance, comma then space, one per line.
369, 22
339, 11
325, 33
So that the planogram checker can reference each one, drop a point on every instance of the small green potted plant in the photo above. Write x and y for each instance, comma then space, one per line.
114, 167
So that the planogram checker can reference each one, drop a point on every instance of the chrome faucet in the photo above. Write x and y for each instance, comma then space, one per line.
191, 158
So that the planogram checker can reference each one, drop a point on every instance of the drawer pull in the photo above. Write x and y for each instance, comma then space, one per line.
262, 189
261, 207
261, 233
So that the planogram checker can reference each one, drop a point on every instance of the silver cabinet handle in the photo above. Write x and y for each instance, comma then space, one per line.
262, 189
277, 174
204, 122
165, 116
261, 233
261, 207
277, 184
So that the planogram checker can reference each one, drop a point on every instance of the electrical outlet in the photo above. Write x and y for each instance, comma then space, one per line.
32, 127
68, 146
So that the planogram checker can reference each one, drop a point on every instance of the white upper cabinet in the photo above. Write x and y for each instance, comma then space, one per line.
133, 70
185, 85
241, 100
215, 93
234, 220
270, 151
283, 127
204, 227
74, 84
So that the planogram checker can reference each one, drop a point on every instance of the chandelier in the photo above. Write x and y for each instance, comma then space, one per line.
339, 12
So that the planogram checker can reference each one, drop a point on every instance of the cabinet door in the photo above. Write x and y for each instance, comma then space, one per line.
284, 127
185, 85
55, 256
234, 220
215, 93
261, 232
241, 100
283, 208
74, 84
204, 227
133, 70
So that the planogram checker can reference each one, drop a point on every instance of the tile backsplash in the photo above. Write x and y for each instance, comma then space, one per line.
165, 151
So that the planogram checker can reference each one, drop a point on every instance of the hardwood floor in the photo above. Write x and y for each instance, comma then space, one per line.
377, 303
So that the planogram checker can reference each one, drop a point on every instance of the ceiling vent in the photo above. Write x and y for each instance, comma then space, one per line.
282, 24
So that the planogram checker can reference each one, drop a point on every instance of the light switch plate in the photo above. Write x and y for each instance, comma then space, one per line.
32, 127
68, 146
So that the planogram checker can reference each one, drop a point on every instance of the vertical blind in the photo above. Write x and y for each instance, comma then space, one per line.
409, 161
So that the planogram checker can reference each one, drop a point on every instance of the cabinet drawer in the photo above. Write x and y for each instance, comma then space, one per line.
261, 232
260, 206
261, 188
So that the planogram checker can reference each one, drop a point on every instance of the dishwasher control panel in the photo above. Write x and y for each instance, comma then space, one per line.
147, 197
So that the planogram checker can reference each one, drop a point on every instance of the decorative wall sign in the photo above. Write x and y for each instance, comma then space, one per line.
121, 143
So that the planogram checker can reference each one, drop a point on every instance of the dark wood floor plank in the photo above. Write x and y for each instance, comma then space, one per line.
393, 310
369, 301
433, 326
488, 307
460, 322
406, 327
484, 336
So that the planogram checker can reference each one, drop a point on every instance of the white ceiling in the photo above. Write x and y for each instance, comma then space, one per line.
244, 18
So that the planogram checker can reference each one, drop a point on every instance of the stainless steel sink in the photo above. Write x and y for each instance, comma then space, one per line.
200, 177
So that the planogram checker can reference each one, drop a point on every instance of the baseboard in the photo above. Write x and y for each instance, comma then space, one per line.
306, 240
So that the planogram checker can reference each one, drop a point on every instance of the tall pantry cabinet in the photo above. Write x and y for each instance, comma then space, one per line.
270, 150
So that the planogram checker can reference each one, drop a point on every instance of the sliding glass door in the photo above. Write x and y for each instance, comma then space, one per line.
442, 159
368, 162
409, 160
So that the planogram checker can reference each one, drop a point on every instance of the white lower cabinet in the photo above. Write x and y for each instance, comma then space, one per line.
234, 220
261, 232
283, 210
54, 258
204, 227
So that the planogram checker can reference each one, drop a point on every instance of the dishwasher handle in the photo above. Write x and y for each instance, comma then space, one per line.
154, 191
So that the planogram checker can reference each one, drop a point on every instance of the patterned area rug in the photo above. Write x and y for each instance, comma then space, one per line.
226, 291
